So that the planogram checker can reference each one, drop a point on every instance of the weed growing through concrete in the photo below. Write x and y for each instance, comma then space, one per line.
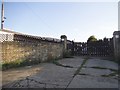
110, 75
78, 70
104, 68
58, 64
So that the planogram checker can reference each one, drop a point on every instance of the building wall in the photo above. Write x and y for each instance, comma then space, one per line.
6, 37
32, 51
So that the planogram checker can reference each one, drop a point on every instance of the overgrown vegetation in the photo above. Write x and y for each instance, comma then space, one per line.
18, 63
67, 54
0, 66
92, 39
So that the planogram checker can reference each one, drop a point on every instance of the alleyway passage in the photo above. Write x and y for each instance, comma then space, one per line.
66, 73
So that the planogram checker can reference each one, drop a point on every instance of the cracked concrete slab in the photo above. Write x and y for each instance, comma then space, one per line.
33, 84
73, 62
49, 75
9, 85
95, 72
85, 81
26, 83
53, 74
101, 63
16, 74
55, 86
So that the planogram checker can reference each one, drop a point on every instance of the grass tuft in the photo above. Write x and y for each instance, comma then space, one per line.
58, 64
78, 70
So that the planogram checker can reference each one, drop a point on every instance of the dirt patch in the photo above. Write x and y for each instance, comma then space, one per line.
19, 73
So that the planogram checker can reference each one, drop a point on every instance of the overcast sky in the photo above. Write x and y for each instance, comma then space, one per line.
77, 20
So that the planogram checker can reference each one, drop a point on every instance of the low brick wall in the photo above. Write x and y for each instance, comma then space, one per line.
32, 51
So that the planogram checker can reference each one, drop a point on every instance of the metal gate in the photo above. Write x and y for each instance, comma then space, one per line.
95, 48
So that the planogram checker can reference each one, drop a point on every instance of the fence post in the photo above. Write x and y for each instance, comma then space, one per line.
116, 43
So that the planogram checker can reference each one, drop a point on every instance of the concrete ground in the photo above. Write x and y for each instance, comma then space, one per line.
66, 73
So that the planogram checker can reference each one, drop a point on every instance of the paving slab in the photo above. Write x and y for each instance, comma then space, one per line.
101, 63
53, 74
28, 84
95, 72
73, 62
55, 86
49, 75
85, 81
31, 84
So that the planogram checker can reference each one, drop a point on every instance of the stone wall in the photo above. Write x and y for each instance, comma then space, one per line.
31, 51
116, 41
